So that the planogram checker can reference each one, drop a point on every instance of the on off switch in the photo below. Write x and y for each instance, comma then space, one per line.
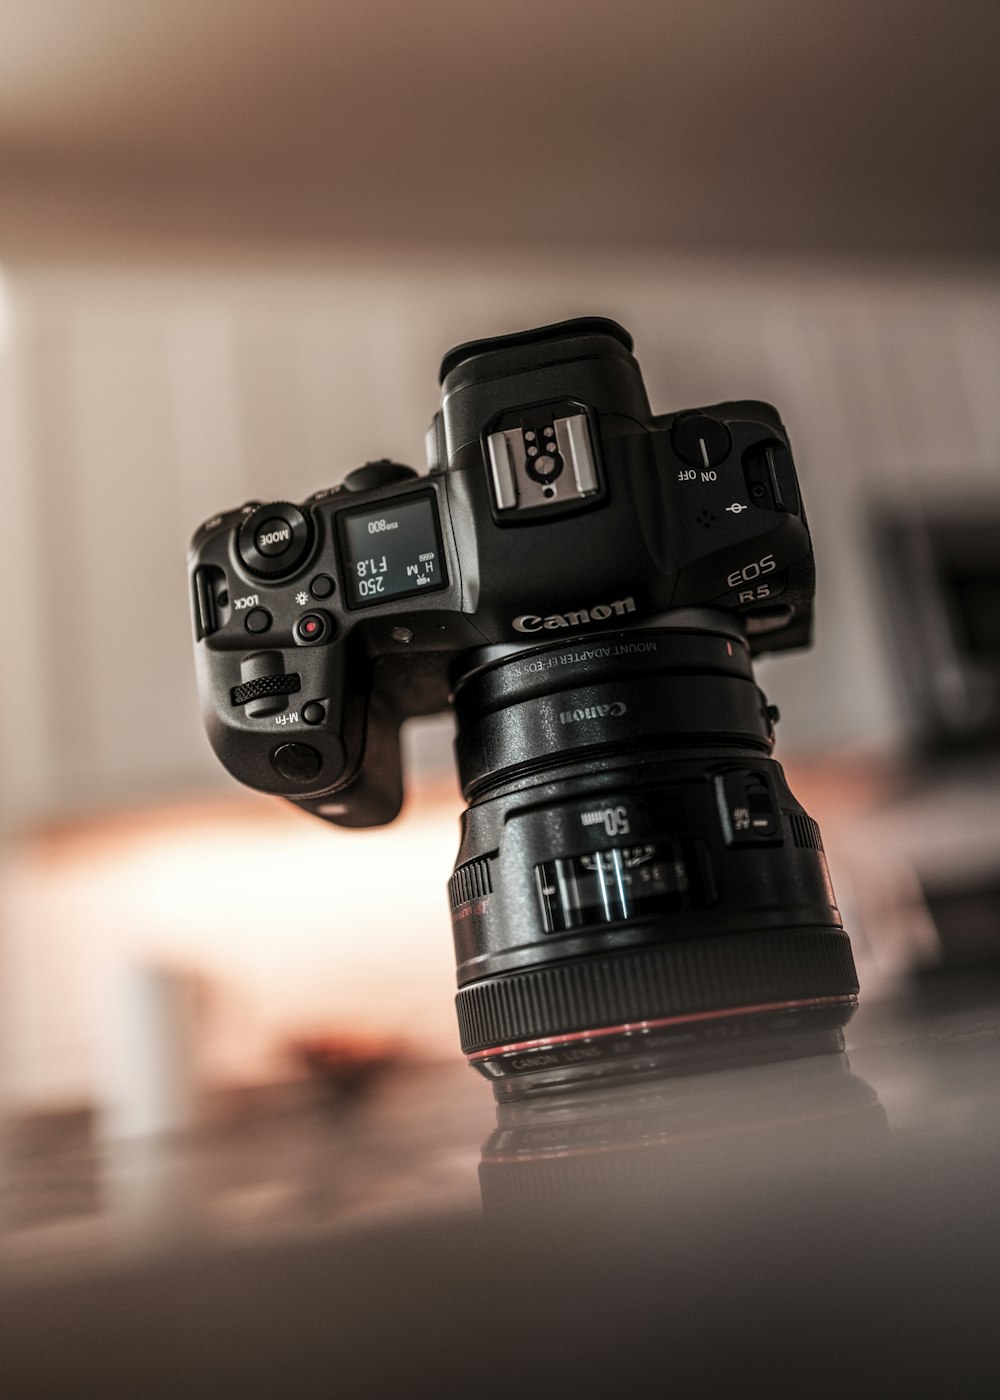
700, 440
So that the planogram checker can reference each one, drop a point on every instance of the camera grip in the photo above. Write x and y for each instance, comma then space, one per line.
374, 794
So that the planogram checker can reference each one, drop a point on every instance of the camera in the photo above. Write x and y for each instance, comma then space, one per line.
586, 584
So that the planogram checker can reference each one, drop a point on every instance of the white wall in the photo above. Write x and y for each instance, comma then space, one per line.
136, 401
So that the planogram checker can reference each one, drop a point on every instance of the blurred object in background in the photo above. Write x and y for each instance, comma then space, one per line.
926, 863
348, 1067
148, 1085
290, 932
941, 569
775, 126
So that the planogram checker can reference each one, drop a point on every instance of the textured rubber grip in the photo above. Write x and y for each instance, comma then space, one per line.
670, 979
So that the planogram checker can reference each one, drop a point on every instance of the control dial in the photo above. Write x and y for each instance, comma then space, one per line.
274, 539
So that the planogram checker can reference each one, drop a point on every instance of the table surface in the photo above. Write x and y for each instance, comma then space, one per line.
810, 1223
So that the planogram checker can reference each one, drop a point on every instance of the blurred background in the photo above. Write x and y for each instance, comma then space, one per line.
236, 237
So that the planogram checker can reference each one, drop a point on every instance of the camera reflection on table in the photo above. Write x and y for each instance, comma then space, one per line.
791, 1197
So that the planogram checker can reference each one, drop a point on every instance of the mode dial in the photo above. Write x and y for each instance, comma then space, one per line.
274, 539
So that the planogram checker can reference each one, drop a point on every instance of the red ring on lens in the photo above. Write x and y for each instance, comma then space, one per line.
632, 1027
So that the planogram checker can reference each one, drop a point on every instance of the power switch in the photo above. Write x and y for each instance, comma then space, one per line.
747, 808
700, 440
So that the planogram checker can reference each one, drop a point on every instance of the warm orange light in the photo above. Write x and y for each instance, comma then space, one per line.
297, 927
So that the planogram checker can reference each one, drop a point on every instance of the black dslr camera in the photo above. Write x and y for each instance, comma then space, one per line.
585, 583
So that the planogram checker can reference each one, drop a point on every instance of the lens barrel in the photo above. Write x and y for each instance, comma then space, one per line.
634, 874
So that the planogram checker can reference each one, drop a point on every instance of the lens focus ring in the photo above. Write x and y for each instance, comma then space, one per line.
670, 980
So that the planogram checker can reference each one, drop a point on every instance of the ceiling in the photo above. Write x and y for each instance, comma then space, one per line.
843, 127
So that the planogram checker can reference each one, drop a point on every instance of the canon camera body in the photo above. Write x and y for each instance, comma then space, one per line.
556, 505
585, 582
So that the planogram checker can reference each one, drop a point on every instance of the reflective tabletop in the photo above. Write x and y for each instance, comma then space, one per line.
812, 1221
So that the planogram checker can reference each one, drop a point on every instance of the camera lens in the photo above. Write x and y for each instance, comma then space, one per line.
634, 873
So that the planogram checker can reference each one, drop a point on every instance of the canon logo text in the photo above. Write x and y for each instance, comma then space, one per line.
600, 612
